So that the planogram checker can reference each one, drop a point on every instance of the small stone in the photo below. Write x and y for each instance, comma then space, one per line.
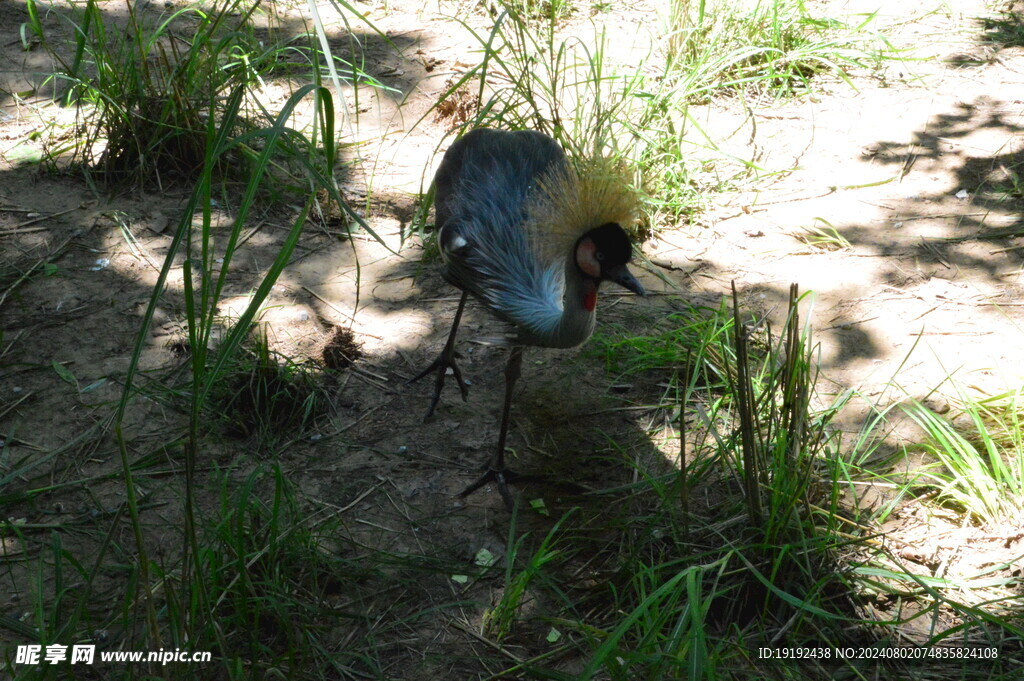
158, 223
160, 315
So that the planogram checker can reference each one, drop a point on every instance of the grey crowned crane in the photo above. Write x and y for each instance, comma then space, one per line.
532, 238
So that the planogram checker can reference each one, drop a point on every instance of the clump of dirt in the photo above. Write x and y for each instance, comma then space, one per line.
340, 349
329, 213
265, 394
458, 108
179, 345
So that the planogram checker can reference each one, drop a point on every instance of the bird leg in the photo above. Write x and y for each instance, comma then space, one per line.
441, 364
496, 471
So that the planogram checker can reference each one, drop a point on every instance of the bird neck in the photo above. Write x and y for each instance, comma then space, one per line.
551, 305
579, 302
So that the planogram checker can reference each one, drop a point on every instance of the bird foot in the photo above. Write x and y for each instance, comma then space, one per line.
503, 477
441, 365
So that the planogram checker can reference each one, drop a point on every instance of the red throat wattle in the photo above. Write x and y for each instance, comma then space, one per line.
590, 295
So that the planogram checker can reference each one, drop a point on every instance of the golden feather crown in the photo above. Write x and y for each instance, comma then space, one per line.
570, 201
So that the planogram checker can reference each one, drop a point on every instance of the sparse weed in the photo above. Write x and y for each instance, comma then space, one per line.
543, 10
1005, 184
1006, 28
750, 541
143, 92
694, 335
531, 77
687, 582
265, 579
501, 619
773, 46
979, 464
266, 396
206, 268
825, 238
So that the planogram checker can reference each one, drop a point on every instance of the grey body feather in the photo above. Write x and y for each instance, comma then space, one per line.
484, 186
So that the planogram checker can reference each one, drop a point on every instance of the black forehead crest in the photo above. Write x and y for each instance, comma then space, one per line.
611, 240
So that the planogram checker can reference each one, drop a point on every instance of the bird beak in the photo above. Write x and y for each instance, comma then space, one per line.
623, 277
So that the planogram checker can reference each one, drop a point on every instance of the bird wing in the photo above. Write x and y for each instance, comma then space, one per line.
510, 208
484, 187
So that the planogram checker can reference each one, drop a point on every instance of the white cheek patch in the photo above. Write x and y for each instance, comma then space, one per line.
585, 259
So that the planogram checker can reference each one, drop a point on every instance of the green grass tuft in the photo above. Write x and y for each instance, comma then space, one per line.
979, 455
266, 396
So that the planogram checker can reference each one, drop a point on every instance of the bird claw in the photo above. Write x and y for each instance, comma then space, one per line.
441, 365
503, 477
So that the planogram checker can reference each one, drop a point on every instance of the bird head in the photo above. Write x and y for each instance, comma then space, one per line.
603, 253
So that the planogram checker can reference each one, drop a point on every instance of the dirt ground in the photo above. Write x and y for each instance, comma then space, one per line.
914, 171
